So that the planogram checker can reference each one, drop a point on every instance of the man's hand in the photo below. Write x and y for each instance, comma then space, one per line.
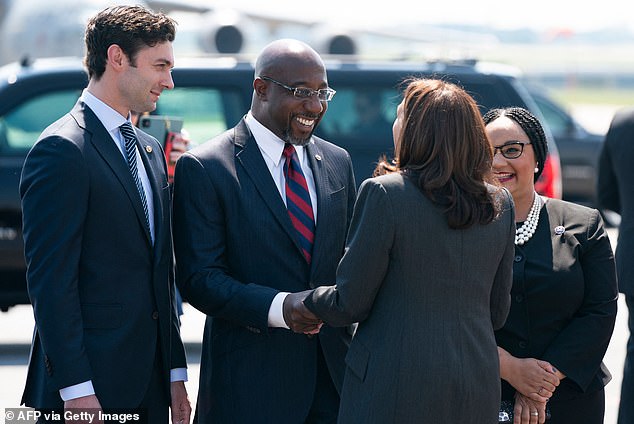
297, 316
89, 404
180, 407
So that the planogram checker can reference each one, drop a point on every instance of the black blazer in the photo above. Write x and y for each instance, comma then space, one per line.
564, 297
102, 293
615, 190
235, 250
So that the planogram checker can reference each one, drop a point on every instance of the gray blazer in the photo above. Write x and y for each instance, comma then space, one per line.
427, 299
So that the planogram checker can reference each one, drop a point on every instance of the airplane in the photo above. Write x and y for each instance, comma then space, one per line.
42, 28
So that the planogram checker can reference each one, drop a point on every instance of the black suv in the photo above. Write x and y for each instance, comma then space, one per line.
212, 95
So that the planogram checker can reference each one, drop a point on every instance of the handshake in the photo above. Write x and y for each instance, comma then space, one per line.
297, 316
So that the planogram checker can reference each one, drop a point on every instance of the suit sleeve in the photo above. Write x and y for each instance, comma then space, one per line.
200, 237
607, 183
54, 192
501, 290
579, 348
364, 263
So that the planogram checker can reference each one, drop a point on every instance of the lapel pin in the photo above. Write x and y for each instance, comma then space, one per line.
318, 157
148, 149
559, 230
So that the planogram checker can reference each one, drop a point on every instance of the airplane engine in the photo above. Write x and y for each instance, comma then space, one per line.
334, 41
224, 31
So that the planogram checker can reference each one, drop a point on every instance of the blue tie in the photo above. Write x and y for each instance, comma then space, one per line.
298, 203
130, 151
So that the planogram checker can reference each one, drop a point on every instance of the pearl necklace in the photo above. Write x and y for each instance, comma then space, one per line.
526, 231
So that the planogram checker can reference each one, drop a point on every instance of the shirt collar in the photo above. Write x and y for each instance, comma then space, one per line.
110, 118
270, 144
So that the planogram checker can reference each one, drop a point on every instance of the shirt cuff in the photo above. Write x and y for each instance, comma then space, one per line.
178, 374
276, 314
77, 391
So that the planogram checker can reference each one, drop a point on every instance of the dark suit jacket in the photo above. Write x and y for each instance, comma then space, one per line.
564, 299
615, 190
427, 298
235, 250
102, 294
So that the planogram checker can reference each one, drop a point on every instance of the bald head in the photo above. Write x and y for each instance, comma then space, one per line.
281, 54
283, 66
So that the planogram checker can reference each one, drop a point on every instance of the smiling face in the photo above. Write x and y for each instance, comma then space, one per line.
292, 64
517, 175
143, 79
291, 118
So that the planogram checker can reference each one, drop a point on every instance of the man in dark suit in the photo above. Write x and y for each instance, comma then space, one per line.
616, 192
97, 232
239, 252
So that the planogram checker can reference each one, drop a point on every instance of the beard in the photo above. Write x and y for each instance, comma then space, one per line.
288, 136
295, 141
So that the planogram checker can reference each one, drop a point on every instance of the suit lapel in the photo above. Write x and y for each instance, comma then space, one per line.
105, 146
316, 160
249, 156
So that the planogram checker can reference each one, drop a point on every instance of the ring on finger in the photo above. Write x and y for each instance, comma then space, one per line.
534, 413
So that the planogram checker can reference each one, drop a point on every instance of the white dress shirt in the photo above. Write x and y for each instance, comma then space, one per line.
112, 120
272, 147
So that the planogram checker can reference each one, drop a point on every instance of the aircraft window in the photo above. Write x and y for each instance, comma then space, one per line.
204, 110
20, 128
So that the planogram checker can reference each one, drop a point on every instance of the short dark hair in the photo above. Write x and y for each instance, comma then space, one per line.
530, 125
444, 147
129, 27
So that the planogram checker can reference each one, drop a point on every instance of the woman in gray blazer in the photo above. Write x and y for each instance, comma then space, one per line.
426, 271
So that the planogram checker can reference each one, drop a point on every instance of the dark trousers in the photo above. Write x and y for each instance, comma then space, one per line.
325, 407
587, 408
626, 406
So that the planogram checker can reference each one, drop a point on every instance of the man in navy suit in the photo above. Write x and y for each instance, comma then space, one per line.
615, 192
97, 232
239, 252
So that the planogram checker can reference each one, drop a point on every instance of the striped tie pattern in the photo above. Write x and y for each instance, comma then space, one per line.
298, 203
130, 151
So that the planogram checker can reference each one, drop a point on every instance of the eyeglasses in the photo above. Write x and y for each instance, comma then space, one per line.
324, 94
510, 149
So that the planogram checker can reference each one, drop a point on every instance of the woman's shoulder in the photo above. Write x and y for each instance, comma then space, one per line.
567, 209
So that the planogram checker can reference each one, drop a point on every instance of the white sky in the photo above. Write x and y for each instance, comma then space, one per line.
535, 14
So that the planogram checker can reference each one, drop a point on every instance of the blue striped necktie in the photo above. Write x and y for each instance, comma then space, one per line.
298, 203
130, 151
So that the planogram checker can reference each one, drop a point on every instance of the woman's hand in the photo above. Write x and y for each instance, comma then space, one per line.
531, 377
527, 411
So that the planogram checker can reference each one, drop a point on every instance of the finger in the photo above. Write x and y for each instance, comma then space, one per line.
535, 396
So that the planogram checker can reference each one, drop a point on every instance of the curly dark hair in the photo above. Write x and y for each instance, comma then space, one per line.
530, 125
129, 27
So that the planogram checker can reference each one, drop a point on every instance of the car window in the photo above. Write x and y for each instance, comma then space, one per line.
557, 120
205, 111
363, 112
21, 127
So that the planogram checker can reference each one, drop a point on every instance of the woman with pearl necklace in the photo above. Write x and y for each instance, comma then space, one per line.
563, 300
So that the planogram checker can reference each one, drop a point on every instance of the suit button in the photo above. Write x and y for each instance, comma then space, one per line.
519, 298
523, 345
155, 315
518, 258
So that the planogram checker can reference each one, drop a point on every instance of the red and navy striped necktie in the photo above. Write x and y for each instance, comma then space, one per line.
298, 202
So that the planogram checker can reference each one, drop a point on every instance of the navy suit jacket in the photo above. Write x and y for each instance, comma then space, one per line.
102, 293
615, 190
235, 250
